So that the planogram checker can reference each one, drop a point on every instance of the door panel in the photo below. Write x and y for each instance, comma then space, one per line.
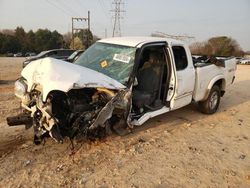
171, 90
185, 77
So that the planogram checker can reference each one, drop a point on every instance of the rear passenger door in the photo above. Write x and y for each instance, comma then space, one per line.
185, 76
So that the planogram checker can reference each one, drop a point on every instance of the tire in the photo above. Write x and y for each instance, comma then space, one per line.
211, 104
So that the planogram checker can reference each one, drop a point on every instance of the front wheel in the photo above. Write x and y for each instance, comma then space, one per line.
211, 104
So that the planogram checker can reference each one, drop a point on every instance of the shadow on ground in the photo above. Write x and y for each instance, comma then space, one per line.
3, 82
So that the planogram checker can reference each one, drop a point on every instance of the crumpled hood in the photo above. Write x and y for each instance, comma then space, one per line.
53, 74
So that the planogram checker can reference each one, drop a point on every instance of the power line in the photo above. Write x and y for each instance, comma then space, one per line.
104, 9
64, 11
101, 3
117, 17
63, 7
63, 4
81, 4
83, 7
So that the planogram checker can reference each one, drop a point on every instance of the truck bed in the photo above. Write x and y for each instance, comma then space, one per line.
207, 73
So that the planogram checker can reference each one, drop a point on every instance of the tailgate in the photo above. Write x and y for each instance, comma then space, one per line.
230, 68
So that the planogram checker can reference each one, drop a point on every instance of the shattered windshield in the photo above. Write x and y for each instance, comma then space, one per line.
112, 60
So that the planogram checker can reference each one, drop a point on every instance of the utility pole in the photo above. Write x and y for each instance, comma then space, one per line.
117, 17
75, 29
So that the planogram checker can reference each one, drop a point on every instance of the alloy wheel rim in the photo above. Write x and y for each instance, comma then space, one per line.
213, 100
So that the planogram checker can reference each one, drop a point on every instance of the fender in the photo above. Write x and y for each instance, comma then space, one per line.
212, 82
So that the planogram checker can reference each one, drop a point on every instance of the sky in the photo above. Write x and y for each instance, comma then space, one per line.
201, 19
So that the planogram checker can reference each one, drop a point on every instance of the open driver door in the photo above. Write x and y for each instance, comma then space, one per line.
172, 80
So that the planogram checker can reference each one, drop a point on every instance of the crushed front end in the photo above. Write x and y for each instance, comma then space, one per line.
82, 112
82, 99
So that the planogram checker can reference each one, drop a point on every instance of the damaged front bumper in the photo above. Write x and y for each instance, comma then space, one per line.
83, 112
20, 119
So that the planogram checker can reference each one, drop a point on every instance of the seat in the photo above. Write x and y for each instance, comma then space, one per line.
145, 93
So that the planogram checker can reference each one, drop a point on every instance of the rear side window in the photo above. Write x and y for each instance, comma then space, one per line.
66, 52
52, 53
180, 57
61, 53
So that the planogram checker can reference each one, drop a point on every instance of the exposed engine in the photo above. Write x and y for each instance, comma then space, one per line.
80, 112
69, 114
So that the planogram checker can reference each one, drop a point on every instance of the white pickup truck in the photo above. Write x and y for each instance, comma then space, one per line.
116, 84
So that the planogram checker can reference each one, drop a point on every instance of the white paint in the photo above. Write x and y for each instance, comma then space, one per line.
171, 93
149, 115
137, 41
185, 82
206, 77
53, 74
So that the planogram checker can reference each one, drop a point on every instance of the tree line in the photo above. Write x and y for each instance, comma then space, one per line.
13, 41
218, 46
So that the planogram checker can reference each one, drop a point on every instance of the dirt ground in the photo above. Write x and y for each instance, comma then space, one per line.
183, 148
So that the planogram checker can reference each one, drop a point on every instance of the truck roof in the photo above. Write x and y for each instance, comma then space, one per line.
138, 41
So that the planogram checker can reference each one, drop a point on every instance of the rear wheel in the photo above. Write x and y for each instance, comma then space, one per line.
211, 104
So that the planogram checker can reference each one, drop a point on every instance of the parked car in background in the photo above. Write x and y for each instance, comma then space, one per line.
9, 54
245, 61
238, 59
62, 54
30, 54
19, 54
73, 57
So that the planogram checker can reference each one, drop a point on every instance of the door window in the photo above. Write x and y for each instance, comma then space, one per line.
180, 57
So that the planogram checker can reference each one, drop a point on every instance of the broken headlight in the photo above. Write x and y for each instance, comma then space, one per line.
20, 88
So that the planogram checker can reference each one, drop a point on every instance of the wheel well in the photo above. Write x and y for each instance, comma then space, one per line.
221, 84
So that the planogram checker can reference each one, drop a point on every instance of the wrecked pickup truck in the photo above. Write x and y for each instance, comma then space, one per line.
117, 84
